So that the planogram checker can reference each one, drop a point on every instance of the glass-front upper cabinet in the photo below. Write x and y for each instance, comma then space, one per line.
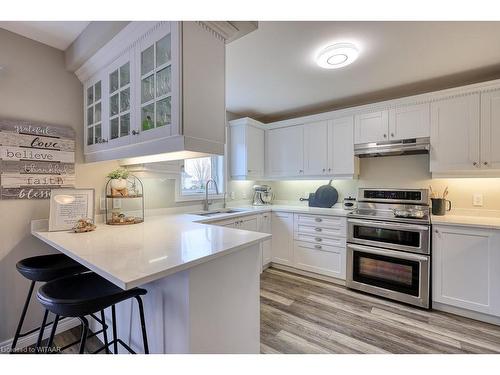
154, 69
93, 113
120, 99
135, 97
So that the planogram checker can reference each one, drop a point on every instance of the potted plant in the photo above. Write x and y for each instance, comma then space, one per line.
118, 179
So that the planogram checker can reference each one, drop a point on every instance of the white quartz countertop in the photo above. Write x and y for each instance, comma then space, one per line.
133, 255
487, 222
249, 210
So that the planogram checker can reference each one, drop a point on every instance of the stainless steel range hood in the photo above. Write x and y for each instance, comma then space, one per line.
410, 146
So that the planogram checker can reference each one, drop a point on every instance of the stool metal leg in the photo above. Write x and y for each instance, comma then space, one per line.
85, 330
23, 315
115, 337
104, 331
53, 332
143, 325
42, 329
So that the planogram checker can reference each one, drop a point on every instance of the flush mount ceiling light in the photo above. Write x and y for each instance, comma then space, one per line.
337, 55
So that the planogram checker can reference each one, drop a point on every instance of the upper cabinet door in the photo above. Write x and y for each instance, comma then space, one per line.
119, 97
255, 151
285, 150
455, 134
157, 63
409, 122
341, 160
371, 127
490, 130
316, 148
93, 115
246, 150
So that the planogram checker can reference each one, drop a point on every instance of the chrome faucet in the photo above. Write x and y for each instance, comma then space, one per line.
206, 204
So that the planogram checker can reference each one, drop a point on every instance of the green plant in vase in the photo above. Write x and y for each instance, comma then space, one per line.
118, 182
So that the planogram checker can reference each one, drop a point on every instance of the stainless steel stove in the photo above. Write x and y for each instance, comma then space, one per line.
388, 245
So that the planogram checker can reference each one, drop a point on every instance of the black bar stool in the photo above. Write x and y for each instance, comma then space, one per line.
86, 294
42, 268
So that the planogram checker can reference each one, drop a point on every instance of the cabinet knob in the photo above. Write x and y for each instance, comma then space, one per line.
385, 135
324, 169
318, 239
392, 135
485, 163
329, 169
318, 229
318, 220
301, 171
474, 164
318, 246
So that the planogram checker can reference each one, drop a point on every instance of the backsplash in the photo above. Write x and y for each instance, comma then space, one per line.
395, 171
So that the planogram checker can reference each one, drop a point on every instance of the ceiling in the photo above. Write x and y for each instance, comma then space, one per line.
272, 75
57, 34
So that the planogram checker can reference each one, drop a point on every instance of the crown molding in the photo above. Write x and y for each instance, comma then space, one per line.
124, 41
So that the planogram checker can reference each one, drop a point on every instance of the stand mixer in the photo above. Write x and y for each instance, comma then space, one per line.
262, 195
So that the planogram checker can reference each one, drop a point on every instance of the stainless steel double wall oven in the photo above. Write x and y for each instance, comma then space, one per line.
388, 249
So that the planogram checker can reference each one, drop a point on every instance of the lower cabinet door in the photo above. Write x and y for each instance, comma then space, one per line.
282, 230
324, 260
266, 252
466, 268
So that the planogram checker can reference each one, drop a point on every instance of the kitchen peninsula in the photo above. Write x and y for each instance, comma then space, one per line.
202, 280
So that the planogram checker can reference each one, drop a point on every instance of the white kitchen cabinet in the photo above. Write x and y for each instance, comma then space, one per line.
248, 223
490, 130
371, 127
285, 152
320, 258
247, 146
412, 121
316, 148
266, 227
341, 159
455, 129
282, 231
466, 268
151, 101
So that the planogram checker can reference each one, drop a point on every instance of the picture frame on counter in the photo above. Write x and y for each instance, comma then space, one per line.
67, 206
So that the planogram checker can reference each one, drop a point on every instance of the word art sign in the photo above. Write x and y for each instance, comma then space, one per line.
34, 159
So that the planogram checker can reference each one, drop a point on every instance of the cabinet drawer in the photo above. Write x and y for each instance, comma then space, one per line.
320, 230
321, 240
325, 260
323, 221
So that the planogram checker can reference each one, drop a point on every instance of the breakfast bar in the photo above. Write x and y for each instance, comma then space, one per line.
202, 280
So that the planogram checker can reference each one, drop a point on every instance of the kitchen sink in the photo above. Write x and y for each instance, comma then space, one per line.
218, 212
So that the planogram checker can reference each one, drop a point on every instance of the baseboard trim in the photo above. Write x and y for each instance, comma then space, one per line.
307, 273
63, 325
466, 313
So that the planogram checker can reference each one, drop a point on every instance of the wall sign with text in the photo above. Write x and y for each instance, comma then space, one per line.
34, 159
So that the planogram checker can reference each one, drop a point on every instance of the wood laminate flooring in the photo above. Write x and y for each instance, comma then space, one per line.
304, 315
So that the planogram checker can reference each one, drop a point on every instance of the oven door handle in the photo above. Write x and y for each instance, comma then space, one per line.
391, 253
383, 224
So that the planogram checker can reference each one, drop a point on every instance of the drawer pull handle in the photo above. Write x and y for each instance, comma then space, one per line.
318, 239
318, 229
318, 220
318, 246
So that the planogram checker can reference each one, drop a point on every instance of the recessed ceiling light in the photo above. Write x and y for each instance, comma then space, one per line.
337, 55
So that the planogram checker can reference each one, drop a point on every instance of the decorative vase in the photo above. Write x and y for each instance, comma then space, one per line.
118, 183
